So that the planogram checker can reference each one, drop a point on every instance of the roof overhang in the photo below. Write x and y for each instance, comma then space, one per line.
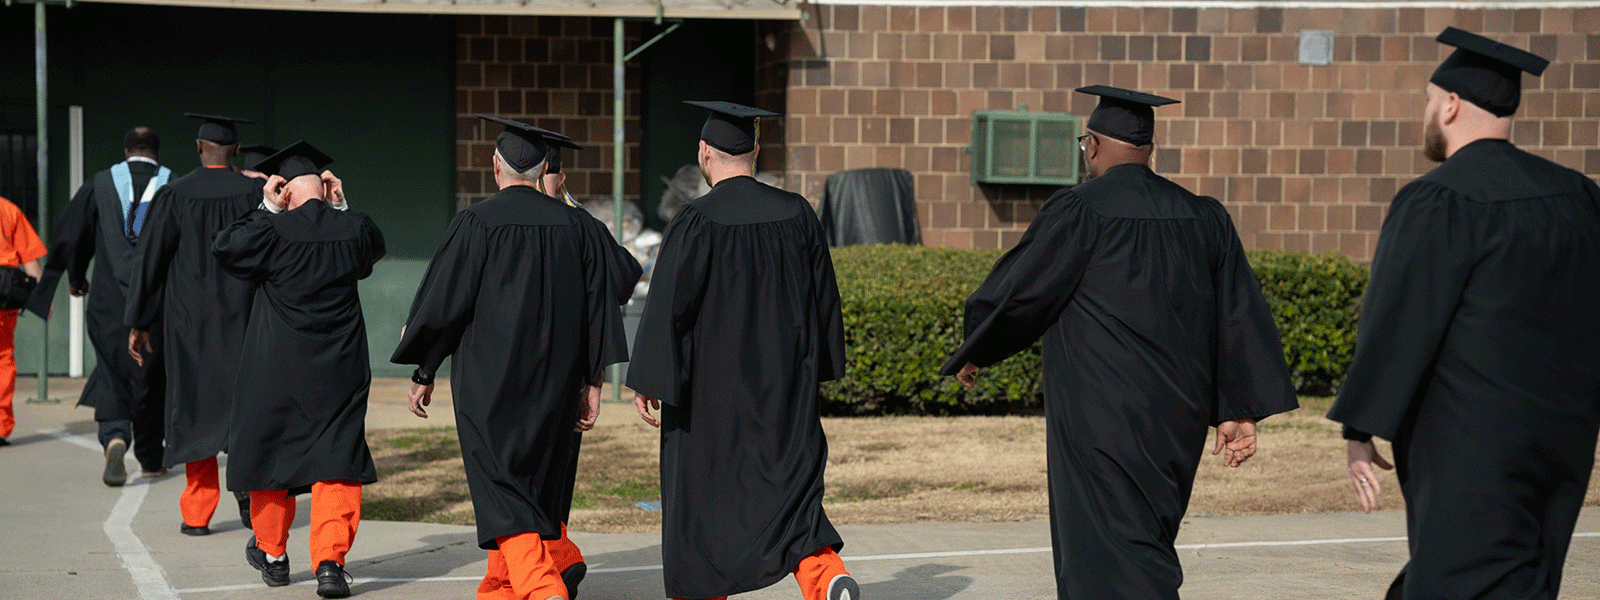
668, 9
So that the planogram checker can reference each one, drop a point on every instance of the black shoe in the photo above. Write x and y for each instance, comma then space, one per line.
843, 587
332, 580
572, 577
5, 442
116, 472
274, 572
244, 507
188, 529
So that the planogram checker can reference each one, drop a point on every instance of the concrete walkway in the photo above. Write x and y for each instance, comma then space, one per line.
66, 535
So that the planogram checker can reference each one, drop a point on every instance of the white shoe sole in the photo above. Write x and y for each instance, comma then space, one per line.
116, 472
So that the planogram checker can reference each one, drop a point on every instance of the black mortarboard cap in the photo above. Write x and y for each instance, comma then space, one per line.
1485, 72
521, 144
1126, 115
553, 159
731, 127
218, 130
250, 155
293, 161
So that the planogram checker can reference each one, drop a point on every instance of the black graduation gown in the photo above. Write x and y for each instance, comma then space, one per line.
301, 404
93, 228
1154, 329
523, 293
1478, 355
179, 283
741, 325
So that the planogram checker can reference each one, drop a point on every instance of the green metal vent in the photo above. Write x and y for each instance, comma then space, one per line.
1011, 146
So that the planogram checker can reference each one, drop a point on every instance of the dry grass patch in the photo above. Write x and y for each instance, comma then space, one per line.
888, 470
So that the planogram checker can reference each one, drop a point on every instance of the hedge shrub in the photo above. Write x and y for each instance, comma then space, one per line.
1315, 299
902, 321
902, 316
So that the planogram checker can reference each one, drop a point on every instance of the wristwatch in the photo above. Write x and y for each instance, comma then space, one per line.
419, 378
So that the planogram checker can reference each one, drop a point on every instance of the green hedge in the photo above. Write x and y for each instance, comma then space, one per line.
1315, 299
902, 318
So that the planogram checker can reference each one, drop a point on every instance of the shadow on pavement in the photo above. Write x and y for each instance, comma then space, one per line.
440, 555
922, 582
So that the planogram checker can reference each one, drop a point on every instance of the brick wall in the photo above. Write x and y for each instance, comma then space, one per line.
554, 72
1304, 157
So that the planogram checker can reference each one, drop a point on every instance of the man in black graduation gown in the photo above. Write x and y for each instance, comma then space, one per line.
741, 325
523, 293
178, 283
299, 419
103, 221
1154, 330
1478, 351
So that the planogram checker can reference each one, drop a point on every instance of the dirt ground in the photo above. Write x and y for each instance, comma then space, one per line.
887, 470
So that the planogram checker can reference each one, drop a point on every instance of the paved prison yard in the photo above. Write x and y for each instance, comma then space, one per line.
65, 535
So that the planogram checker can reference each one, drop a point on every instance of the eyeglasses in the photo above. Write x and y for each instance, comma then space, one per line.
1083, 137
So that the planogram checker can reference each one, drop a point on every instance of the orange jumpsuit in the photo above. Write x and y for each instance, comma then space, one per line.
19, 245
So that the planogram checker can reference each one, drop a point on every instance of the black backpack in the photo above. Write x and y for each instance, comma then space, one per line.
15, 287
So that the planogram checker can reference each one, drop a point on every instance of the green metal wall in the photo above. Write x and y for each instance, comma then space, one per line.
374, 91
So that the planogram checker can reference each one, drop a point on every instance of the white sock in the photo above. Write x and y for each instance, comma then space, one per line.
272, 558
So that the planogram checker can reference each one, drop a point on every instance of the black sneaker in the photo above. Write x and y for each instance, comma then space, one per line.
332, 580
843, 587
5, 442
116, 472
274, 572
188, 529
572, 577
243, 498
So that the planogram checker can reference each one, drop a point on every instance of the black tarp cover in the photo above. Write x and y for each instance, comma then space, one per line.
869, 206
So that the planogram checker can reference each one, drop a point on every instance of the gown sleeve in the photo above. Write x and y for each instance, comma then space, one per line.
244, 248
372, 244
158, 242
1252, 377
71, 248
447, 298
1029, 287
663, 348
624, 268
608, 280
830, 316
1419, 272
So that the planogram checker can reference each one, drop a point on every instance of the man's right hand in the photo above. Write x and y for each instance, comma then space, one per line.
644, 404
138, 345
77, 291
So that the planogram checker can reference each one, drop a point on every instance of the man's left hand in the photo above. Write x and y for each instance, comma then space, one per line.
272, 192
968, 376
421, 395
1239, 439
588, 408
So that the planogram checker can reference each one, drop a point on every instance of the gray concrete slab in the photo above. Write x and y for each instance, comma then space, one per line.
65, 535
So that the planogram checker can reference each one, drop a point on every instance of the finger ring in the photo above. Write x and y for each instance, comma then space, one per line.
1362, 480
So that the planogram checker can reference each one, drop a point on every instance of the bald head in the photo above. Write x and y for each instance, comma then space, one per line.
141, 141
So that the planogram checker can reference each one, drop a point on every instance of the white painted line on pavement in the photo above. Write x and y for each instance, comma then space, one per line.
76, 440
916, 555
148, 576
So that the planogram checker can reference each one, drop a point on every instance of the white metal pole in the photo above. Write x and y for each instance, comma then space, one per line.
75, 303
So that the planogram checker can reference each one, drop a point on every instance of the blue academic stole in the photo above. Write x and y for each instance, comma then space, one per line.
133, 214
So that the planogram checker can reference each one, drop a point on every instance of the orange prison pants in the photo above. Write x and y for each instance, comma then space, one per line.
8, 370
335, 515
562, 551
815, 573
521, 569
199, 499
